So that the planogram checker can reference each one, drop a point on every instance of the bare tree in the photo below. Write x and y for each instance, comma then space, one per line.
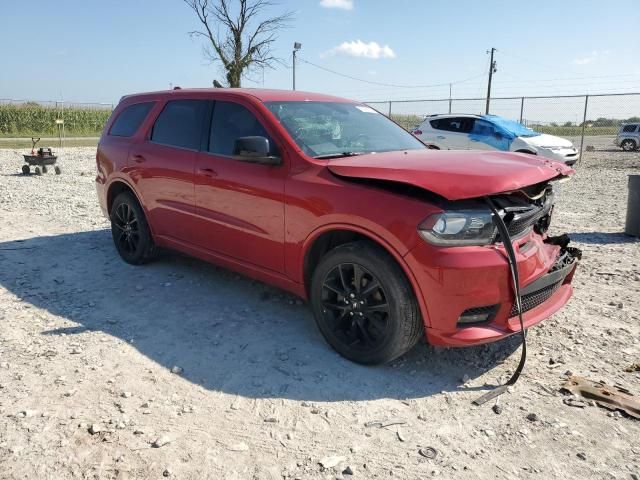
239, 39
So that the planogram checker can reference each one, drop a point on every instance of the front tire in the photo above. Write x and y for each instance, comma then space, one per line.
364, 305
130, 230
628, 145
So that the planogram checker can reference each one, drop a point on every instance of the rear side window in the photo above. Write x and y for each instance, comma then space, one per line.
455, 124
629, 128
130, 119
180, 124
232, 121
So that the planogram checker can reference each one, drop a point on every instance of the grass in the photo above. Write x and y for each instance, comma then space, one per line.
48, 142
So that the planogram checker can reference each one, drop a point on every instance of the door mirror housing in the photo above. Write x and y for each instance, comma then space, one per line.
498, 135
254, 149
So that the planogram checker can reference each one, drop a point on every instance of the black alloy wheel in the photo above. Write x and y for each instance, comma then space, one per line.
356, 306
130, 230
363, 304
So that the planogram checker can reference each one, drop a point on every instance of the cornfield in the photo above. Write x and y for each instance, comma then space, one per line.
33, 119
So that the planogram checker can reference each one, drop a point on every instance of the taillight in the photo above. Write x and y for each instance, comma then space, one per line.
417, 132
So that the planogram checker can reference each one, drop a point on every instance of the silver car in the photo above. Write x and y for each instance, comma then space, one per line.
629, 137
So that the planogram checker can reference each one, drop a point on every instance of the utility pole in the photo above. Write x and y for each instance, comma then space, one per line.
296, 46
492, 70
449, 98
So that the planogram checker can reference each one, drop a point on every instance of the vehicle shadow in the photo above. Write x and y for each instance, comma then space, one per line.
228, 333
602, 238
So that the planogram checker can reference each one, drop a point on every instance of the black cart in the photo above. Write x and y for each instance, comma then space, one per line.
41, 159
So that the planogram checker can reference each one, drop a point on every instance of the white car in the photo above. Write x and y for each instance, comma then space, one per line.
490, 132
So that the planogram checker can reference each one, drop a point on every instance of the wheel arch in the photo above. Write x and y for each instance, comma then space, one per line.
115, 188
329, 237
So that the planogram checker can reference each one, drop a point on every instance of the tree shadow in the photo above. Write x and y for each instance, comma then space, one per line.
228, 333
602, 238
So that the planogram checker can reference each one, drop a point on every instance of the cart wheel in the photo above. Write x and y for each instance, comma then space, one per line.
26, 170
44, 169
38, 171
57, 170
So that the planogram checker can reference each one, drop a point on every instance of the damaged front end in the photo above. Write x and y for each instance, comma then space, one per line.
528, 212
483, 302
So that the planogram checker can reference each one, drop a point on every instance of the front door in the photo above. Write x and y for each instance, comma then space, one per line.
240, 205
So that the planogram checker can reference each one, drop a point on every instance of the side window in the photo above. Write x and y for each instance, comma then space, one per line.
130, 119
232, 121
180, 124
629, 128
454, 124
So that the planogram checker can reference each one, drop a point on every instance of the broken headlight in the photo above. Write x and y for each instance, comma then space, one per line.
456, 228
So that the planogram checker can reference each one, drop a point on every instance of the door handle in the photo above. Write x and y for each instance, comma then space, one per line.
138, 158
440, 137
208, 172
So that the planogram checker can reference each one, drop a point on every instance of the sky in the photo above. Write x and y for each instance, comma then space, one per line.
97, 51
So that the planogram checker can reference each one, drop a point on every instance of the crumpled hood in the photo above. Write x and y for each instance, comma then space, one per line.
546, 140
454, 175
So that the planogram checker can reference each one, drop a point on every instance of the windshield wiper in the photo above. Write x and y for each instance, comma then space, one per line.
339, 155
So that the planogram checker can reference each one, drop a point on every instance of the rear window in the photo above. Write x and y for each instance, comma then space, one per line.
629, 128
453, 124
180, 124
130, 119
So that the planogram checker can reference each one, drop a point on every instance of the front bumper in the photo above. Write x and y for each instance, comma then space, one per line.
453, 281
568, 156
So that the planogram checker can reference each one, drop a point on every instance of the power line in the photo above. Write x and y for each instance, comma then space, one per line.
387, 84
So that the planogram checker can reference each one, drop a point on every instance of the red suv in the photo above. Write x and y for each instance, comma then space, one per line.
329, 199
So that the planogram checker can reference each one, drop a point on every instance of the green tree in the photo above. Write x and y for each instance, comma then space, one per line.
236, 36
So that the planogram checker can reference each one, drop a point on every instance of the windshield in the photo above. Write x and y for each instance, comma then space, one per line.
327, 129
512, 127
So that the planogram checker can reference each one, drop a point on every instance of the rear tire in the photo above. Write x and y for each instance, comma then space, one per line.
37, 171
130, 230
628, 145
363, 304
57, 170
44, 169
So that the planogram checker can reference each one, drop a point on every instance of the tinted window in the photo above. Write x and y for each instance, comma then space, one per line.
455, 124
130, 119
180, 124
629, 128
230, 122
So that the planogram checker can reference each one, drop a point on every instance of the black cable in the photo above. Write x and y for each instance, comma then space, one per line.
513, 267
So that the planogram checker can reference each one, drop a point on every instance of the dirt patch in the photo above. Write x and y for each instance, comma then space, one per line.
189, 371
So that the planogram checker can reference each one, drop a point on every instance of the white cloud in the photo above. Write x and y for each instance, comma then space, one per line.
341, 4
592, 57
358, 48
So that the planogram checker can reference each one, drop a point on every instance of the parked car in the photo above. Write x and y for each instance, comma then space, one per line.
331, 200
628, 137
490, 132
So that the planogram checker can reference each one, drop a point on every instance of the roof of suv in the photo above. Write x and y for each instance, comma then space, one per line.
264, 95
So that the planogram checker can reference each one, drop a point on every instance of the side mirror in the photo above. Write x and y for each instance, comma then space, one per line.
498, 135
254, 149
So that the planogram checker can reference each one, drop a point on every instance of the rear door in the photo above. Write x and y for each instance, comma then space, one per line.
163, 164
452, 132
240, 204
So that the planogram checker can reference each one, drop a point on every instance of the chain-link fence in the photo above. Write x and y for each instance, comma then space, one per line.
591, 122
27, 118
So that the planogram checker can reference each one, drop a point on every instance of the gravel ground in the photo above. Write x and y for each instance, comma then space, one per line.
184, 370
